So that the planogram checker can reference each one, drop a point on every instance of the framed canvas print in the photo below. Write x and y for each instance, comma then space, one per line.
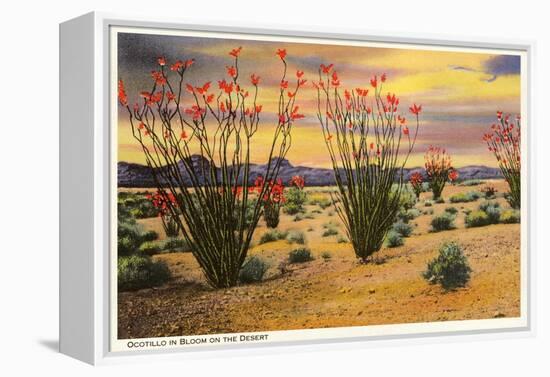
225, 188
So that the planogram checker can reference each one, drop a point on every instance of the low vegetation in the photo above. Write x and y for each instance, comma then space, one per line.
253, 270
465, 197
450, 268
394, 239
139, 271
300, 255
442, 222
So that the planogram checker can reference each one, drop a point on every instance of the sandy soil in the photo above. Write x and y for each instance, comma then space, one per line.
340, 291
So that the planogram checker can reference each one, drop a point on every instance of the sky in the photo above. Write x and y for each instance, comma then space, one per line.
460, 92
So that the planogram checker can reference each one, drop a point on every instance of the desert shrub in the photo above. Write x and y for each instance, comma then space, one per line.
310, 229
428, 203
295, 197
137, 272
442, 222
471, 182
272, 235
451, 210
253, 270
465, 197
394, 239
440, 200
150, 248
130, 236
408, 215
341, 239
402, 228
150, 235
330, 231
176, 244
298, 217
450, 268
309, 216
489, 192
316, 211
492, 209
429, 211
407, 198
477, 218
326, 255
510, 216
300, 255
291, 209
295, 236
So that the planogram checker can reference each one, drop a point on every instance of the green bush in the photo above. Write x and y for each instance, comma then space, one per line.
402, 228
450, 268
394, 239
295, 236
451, 210
408, 215
175, 245
330, 231
326, 255
477, 218
442, 222
492, 209
295, 197
465, 197
150, 248
407, 198
138, 272
300, 255
291, 208
253, 270
428, 203
129, 238
272, 235
150, 235
510, 216
298, 217
341, 239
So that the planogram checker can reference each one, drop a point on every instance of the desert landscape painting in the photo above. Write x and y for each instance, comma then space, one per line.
271, 185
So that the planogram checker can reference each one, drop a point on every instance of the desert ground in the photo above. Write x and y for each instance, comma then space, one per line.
338, 291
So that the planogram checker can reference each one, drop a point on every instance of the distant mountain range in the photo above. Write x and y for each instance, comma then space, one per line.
136, 175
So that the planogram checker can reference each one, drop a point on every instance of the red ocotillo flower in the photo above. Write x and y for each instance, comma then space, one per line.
122, 97
281, 53
235, 52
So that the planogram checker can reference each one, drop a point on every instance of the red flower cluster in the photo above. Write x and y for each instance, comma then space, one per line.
122, 97
159, 78
416, 179
504, 139
298, 181
196, 112
162, 201
273, 193
453, 175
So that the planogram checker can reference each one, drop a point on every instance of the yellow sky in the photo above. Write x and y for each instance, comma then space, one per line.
457, 90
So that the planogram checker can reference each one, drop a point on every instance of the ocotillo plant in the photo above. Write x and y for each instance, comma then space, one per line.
212, 192
273, 198
504, 142
416, 183
161, 201
437, 163
364, 141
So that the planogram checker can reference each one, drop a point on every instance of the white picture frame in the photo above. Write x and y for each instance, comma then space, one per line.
86, 181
